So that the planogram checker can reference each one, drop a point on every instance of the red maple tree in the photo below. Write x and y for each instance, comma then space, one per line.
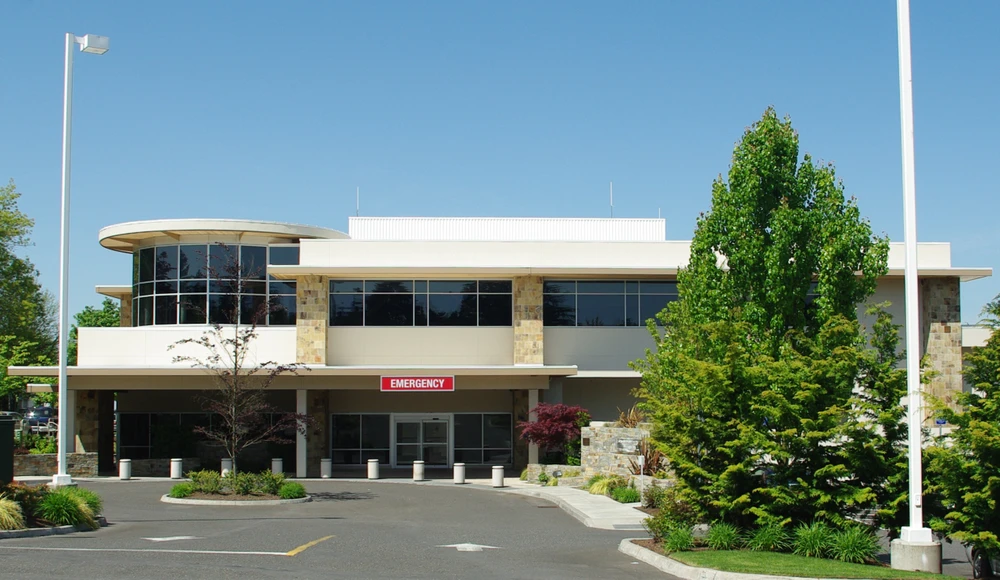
556, 426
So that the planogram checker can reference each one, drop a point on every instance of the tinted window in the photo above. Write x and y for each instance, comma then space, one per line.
253, 263
495, 310
560, 287
451, 286
166, 263
283, 313
166, 310
651, 304
192, 309
192, 262
452, 309
600, 310
347, 310
559, 310
147, 264
284, 255
468, 431
223, 261
496, 431
375, 431
396, 286
389, 310
340, 286
600, 287
495, 286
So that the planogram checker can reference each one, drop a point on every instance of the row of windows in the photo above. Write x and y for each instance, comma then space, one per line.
604, 302
421, 303
166, 435
198, 283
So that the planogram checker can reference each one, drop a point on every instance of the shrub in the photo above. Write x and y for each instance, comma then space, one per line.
63, 508
543, 478
854, 544
269, 483
679, 539
291, 490
625, 495
630, 418
658, 526
182, 489
11, 516
812, 540
571, 473
652, 496
27, 496
555, 426
653, 460
524, 474
44, 445
206, 481
723, 536
677, 508
553, 482
769, 538
93, 501
572, 460
607, 484
240, 483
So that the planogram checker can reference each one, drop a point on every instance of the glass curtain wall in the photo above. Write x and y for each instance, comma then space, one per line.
421, 303
604, 302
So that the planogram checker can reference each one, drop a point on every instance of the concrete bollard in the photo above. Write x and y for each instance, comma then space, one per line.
277, 465
373, 469
498, 476
176, 468
124, 469
227, 466
418, 471
326, 468
459, 473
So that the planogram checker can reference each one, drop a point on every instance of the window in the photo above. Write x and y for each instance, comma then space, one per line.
421, 303
195, 284
483, 438
604, 302
356, 438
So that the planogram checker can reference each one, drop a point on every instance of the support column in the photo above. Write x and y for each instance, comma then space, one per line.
106, 432
125, 319
528, 337
532, 403
520, 413
941, 337
312, 298
301, 449
318, 439
73, 440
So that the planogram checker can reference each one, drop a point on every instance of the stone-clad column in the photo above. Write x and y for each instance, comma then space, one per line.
312, 297
528, 346
318, 435
85, 421
941, 335
125, 319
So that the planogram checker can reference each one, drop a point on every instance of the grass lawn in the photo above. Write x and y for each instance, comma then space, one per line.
791, 565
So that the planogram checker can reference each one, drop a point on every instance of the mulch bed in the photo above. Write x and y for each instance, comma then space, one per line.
651, 511
230, 496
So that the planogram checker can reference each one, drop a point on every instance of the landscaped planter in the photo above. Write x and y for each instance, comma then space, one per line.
36, 464
229, 501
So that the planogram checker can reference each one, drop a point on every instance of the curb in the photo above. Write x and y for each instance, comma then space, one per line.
233, 502
675, 568
56, 531
582, 517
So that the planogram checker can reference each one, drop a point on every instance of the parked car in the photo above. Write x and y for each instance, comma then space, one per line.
984, 565
15, 416
38, 418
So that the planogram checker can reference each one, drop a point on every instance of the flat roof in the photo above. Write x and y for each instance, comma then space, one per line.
124, 237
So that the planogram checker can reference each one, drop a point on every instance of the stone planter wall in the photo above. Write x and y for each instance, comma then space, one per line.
77, 464
607, 449
161, 467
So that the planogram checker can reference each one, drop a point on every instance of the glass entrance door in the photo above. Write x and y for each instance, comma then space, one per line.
422, 438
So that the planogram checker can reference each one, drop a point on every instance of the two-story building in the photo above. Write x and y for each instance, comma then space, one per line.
425, 338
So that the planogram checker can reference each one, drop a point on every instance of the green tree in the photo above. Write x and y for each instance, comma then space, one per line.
963, 470
109, 315
27, 326
751, 385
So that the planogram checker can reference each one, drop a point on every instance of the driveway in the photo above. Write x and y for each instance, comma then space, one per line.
350, 530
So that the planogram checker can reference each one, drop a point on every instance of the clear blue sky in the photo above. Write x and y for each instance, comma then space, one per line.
278, 110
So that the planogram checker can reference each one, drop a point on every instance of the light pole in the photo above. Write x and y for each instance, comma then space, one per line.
95, 45
916, 548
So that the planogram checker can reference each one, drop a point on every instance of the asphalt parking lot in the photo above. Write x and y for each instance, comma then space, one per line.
350, 530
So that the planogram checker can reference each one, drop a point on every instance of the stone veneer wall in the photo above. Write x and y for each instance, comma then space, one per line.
125, 319
528, 346
318, 435
941, 335
607, 449
77, 464
520, 413
86, 421
312, 297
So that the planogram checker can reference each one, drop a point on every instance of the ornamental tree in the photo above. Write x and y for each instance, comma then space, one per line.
963, 471
757, 378
556, 426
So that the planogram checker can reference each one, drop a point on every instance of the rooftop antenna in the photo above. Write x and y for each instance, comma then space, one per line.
658, 213
612, 187
357, 202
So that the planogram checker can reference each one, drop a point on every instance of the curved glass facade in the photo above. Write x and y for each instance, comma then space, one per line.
201, 283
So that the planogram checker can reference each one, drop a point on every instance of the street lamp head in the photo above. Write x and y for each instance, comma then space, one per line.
94, 44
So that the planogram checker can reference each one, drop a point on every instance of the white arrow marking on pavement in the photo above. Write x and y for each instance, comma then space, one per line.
173, 538
469, 547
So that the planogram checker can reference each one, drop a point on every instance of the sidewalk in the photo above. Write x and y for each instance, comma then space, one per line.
593, 511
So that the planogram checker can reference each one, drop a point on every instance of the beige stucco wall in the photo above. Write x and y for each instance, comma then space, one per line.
420, 346
454, 402
138, 401
602, 398
149, 346
595, 347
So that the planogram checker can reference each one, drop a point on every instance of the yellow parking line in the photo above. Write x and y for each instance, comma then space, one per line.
305, 547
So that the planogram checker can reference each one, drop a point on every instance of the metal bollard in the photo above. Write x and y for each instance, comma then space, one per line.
418, 471
227, 466
124, 469
326, 468
277, 465
176, 468
498, 476
373, 469
459, 473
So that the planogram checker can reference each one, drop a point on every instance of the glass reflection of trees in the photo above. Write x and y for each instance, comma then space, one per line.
604, 302
421, 303
200, 283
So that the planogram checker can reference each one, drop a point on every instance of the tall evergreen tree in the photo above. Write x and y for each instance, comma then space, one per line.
752, 384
